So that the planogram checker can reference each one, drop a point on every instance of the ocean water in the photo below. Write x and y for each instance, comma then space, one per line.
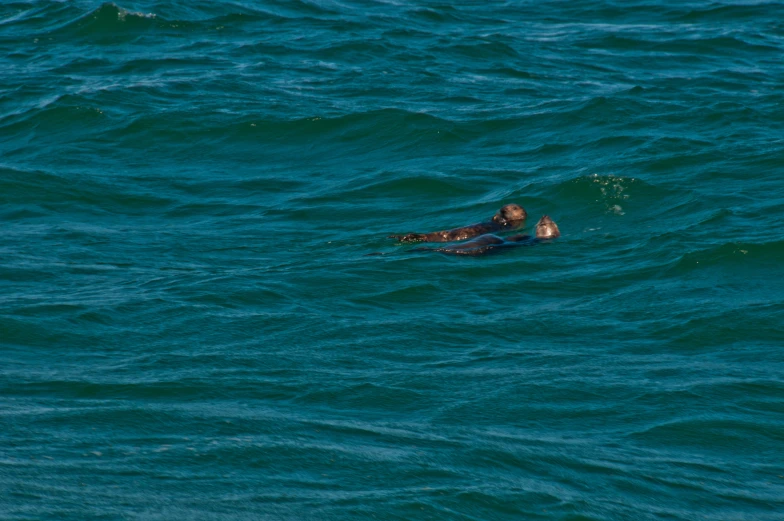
191, 327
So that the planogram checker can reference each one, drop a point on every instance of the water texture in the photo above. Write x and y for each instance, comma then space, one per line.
191, 327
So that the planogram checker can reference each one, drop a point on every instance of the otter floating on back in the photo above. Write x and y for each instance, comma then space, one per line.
546, 229
509, 217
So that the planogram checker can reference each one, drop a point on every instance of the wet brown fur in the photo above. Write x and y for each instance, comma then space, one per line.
545, 229
509, 217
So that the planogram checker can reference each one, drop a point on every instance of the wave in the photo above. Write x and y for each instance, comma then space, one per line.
712, 432
55, 193
34, 16
733, 324
111, 23
392, 184
705, 46
366, 396
734, 13
441, 14
55, 118
730, 253
110, 19
369, 132
484, 50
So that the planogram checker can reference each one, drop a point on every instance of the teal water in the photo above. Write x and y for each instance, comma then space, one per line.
191, 327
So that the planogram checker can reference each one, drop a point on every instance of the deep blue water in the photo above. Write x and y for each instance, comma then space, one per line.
191, 327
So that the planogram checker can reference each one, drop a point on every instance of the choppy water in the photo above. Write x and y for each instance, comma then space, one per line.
190, 327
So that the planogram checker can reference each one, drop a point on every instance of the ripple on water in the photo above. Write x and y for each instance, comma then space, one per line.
190, 326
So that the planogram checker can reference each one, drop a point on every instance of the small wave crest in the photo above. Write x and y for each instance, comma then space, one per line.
110, 17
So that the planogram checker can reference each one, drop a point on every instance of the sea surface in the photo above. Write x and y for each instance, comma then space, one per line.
191, 326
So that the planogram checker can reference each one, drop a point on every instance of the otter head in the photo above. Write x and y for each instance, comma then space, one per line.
509, 214
547, 229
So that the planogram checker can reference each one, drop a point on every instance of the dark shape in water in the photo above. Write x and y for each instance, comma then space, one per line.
545, 229
510, 216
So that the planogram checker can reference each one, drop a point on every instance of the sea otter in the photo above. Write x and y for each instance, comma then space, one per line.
489, 243
509, 217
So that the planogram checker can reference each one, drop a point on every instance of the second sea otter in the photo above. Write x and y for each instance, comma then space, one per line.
489, 243
509, 217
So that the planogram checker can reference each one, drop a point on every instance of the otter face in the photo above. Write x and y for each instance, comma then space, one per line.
510, 213
547, 229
